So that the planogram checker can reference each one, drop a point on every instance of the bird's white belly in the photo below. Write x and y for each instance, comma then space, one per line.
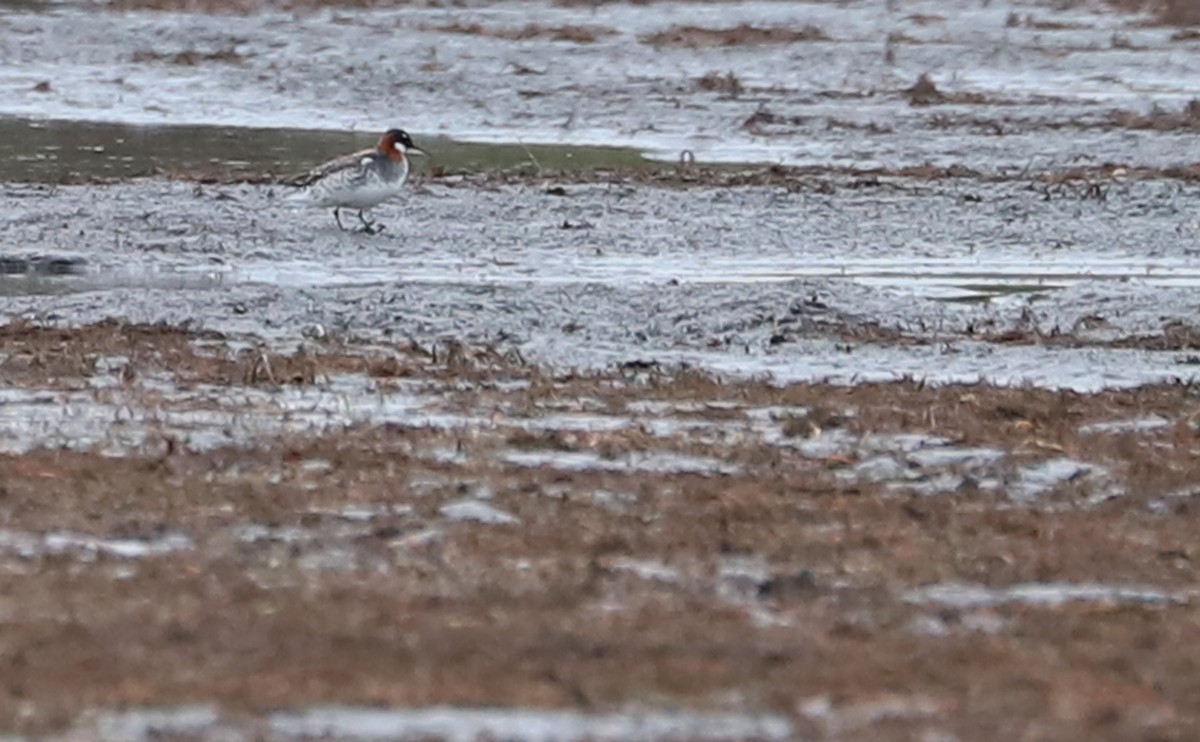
360, 197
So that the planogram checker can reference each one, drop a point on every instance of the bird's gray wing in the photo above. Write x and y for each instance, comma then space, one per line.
341, 164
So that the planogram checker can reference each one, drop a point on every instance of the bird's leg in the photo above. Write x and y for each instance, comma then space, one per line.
337, 218
369, 227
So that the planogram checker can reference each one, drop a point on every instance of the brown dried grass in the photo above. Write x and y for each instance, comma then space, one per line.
1163, 12
575, 34
412, 618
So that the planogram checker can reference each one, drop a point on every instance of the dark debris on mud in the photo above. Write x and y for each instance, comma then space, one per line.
697, 37
576, 34
925, 93
36, 355
1159, 119
190, 57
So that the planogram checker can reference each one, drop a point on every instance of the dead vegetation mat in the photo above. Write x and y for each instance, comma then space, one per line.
609, 586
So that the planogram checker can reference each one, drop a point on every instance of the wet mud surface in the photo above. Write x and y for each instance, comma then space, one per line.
816, 279
893, 437
1006, 88
206, 538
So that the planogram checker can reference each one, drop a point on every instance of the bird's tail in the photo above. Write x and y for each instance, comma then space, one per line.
300, 187
299, 196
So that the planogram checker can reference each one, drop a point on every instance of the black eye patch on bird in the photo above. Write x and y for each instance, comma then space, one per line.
404, 142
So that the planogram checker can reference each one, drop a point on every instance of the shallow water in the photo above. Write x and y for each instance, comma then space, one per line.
1046, 87
53, 150
550, 726
87, 547
444, 723
1044, 594
138, 417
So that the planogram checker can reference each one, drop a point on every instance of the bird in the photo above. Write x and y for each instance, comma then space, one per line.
360, 180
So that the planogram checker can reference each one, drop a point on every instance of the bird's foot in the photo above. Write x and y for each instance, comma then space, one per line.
369, 227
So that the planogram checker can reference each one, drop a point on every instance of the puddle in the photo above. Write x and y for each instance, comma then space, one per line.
255, 533
919, 278
52, 151
842, 717
466, 725
1054, 368
59, 275
646, 570
1117, 427
116, 419
1041, 478
925, 465
876, 469
906, 443
929, 465
941, 483
277, 69
202, 417
1048, 595
138, 725
741, 578
87, 547
650, 463
474, 511
970, 458
361, 514
437, 722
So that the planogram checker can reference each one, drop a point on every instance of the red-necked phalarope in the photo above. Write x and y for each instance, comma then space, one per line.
360, 180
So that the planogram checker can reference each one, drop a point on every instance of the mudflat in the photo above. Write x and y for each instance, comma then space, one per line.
848, 392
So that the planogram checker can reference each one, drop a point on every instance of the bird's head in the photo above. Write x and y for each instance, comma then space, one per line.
396, 143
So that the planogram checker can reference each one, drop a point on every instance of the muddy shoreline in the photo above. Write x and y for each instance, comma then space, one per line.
889, 434
949, 84
942, 280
